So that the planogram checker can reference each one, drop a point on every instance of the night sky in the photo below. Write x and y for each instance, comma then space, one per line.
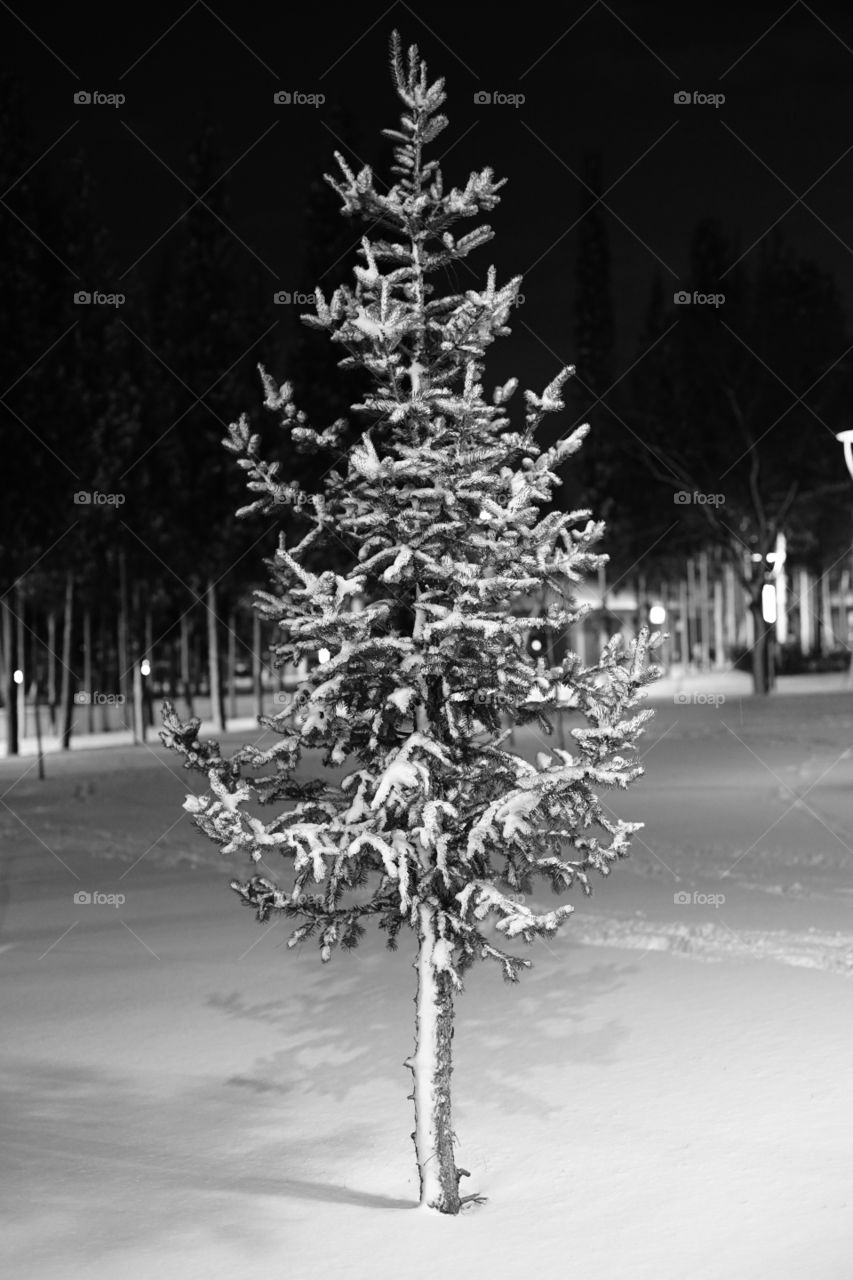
595, 78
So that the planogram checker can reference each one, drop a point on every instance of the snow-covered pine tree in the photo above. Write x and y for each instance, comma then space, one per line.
436, 826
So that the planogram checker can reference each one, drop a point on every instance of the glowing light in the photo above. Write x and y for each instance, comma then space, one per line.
324, 655
18, 677
145, 667
536, 645
657, 615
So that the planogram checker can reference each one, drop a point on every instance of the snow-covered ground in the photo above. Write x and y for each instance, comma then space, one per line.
666, 1094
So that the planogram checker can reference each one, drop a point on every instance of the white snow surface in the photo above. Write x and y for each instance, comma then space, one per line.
667, 1093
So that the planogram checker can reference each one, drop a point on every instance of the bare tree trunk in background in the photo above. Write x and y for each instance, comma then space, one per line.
147, 681
51, 667
21, 689
217, 713
87, 669
123, 690
684, 618
10, 700
730, 611
135, 656
104, 669
186, 677
705, 609
67, 697
762, 650
232, 665
138, 708
257, 666
719, 631
692, 639
34, 694
827, 636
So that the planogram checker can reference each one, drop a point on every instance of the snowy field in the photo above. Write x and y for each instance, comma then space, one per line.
667, 1094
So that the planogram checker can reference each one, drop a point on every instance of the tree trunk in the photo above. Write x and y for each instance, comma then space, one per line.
87, 669
257, 681
10, 693
186, 678
431, 1065
232, 665
34, 692
136, 655
51, 668
730, 608
67, 698
684, 619
762, 656
217, 714
148, 680
692, 613
705, 610
719, 630
827, 635
105, 674
21, 688
123, 689
138, 708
